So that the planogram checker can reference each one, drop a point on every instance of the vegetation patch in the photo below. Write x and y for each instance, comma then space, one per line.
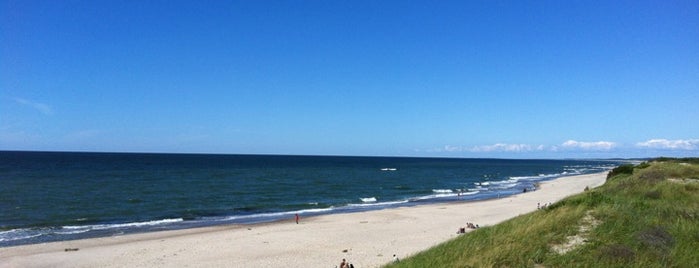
572, 242
616, 253
656, 238
623, 169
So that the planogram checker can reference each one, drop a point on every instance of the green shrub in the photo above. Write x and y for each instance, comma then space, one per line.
623, 169
643, 165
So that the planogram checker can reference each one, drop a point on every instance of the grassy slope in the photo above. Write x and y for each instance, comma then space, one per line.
644, 220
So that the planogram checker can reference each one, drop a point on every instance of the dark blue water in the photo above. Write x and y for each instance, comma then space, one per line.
50, 196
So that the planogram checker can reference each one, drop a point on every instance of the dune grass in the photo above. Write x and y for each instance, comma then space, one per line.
643, 216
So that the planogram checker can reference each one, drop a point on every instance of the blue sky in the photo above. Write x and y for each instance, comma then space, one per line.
512, 79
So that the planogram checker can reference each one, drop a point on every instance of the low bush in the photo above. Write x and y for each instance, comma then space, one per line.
623, 169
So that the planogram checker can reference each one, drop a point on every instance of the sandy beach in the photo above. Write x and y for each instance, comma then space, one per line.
366, 239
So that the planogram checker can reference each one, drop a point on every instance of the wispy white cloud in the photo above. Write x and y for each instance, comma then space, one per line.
690, 144
573, 146
498, 147
523, 148
589, 145
451, 148
41, 107
504, 147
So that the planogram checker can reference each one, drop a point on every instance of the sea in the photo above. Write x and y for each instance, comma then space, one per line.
57, 196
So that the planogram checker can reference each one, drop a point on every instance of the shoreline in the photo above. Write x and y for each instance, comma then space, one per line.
366, 239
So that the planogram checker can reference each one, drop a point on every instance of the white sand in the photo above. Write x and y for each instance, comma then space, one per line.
367, 239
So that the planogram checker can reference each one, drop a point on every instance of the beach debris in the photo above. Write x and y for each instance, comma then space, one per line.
345, 250
71, 249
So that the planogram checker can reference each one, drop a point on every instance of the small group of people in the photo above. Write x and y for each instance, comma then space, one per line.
544, 206
346, 264
468, 225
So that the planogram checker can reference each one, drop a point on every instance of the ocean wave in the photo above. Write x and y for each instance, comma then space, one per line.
273, 215
122, 225
19, 234
312, 210
503, 186
72, 230
511, 180
389, 203
442, 191
535, 177
443, 195
368, 199
75, 231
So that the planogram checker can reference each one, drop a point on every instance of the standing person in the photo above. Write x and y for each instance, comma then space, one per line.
395, 258
297, 218
343, 264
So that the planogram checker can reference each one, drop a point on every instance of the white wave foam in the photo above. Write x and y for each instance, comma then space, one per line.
276, 214
542, 176
442, 191
314, 210
445, 195
378, 204
500, 183
368, 199
512, 181
432, 196
76, 231
19, 234
502, 186
122, 225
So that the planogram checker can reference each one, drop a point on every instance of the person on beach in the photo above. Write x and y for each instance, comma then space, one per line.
297, 218
395, 258
343, 264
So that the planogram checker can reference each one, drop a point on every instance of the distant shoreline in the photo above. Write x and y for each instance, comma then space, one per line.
367, 239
